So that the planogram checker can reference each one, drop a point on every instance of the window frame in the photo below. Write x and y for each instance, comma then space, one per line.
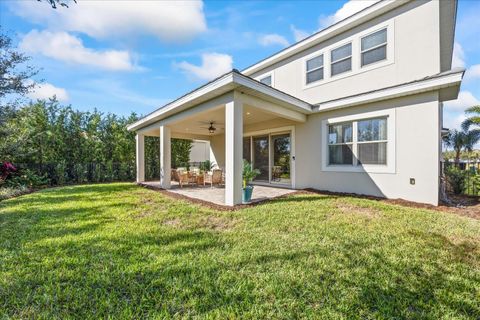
266, 75
358, 142
389, 167
351, 143
373, 48
315, 69
332, 62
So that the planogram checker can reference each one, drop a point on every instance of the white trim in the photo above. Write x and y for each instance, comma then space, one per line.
356, 57
367, 14
390, 167
436, 83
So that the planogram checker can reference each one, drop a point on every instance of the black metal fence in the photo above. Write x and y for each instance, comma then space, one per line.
62, 173
465, 181
72, 173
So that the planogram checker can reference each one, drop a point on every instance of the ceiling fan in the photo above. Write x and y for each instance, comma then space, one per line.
212, 128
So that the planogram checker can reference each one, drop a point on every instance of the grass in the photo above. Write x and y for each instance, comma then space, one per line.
121, 251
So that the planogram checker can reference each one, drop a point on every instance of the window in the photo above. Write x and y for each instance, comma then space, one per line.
367, 147
374, 47
267, 80
341, 59
314, 69
340, 144
372, 141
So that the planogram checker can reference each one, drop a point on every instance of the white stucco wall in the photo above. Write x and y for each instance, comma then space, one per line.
417, 136
217, 145
416, 44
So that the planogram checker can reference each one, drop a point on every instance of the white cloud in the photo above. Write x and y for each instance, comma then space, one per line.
453, 120
168, 20
473, 72
48, 90
465, 100
213, 65
298, 34
65, 47
273, 39
458, 58
454, 111
349, 8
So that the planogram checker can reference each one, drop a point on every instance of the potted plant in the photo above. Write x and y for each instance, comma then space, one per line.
248, 175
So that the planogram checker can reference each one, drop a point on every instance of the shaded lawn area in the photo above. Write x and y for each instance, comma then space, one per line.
119, 250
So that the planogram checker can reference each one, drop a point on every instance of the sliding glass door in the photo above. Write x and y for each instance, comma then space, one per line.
281, 159
271, 155
261, 157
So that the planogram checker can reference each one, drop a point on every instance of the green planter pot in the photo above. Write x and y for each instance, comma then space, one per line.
247, 194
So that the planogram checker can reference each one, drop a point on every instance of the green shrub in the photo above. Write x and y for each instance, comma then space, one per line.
26, 178
10, 192
109, 175
206, 165
80, 172
456, 179
61, 172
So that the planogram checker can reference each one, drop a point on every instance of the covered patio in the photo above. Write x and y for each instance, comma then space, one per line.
242, 119
216, 195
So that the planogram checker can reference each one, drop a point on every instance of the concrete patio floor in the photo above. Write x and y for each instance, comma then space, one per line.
216, 195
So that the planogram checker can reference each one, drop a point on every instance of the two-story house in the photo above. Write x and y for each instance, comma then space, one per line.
356, 107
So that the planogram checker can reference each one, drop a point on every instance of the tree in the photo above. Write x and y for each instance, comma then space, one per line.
55, 3
461, 140
181, 152
473, 119
13, 78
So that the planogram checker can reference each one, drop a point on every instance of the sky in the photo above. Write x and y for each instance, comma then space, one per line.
124, 56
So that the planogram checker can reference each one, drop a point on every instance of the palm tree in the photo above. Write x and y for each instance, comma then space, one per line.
474, 118
461, 140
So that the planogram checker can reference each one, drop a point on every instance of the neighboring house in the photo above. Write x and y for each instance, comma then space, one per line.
356, 107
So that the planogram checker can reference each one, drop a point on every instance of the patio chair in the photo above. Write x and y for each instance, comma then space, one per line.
174, 175
276, 173
192, 177
213, 178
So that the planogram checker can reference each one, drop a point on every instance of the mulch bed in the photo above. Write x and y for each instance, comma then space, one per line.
461, 205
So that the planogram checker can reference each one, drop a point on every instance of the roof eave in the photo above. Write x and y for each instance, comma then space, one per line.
329, 32
232, 80
438, 82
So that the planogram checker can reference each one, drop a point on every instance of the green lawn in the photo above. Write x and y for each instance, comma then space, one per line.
121, 251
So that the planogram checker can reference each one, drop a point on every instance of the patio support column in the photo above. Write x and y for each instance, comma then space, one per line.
140, 157
165, 157
233, 151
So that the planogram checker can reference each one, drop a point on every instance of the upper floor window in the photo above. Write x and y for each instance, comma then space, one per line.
374, 47
341, 59
267, 80
314, 69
